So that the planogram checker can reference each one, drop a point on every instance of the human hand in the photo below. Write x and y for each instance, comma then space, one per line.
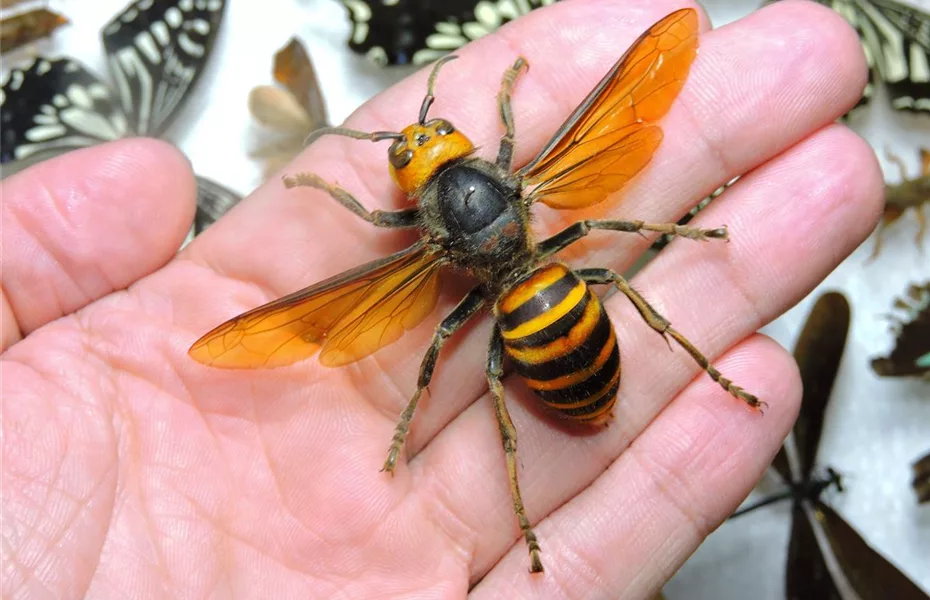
129, 470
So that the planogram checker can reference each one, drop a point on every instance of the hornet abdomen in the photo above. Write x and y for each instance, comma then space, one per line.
561, 343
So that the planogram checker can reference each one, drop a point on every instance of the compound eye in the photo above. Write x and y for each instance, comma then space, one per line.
443, 127
399, 155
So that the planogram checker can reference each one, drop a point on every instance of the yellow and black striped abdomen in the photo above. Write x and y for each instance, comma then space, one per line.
562, 343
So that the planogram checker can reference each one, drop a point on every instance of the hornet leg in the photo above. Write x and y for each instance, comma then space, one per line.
466, 309
380, 218
573, 233
505, 154
509, 438
661, 325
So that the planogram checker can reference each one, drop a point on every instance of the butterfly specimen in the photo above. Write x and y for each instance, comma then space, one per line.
827, 558
908, 193
473, 215
896, 40
25, 27
911, 353
292, 110
55, 105
213, 200
921, 482
156, 51
420, 31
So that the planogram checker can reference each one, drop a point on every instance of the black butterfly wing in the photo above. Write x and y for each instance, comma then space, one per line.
827, 558
55, 105
156, 51
818, 352
854, 569
420, 31
921, 480
807, 575
213, 200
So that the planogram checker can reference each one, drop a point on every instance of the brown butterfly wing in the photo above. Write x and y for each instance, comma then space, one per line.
350, 316
611, 137
294, 70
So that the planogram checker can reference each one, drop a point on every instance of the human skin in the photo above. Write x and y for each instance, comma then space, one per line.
131, 471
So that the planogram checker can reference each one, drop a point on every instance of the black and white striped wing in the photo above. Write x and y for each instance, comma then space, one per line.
156, 50
213, 201
418, 32
850, 11
55, 105
899, 38
896, 40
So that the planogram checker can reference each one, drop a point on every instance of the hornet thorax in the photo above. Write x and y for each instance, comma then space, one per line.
476, 213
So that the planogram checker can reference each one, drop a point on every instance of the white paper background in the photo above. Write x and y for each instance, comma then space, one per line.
875, 428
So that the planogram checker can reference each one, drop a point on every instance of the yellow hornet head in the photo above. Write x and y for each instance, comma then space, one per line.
424, 148
420, 149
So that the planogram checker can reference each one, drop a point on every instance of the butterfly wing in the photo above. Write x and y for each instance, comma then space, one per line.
898, 36
896, 40
27, 27
921, 480
818, 352
213, 201
403, 32
156, 51
294, 70
349, 316
831, 560
612, 135
55, 105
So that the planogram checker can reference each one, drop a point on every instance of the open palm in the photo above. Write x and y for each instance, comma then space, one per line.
129, 470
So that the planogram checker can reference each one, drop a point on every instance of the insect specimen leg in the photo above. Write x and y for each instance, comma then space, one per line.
509, 438
888, 217
465, 309
380, 218
505, 154
575, 232
662, 325
892, 212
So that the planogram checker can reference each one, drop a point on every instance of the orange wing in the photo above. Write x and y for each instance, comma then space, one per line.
350, 316
610, 136
294, 70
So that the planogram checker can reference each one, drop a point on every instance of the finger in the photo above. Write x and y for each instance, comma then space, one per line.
89, 222
305, 236
793, 220
630, 530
